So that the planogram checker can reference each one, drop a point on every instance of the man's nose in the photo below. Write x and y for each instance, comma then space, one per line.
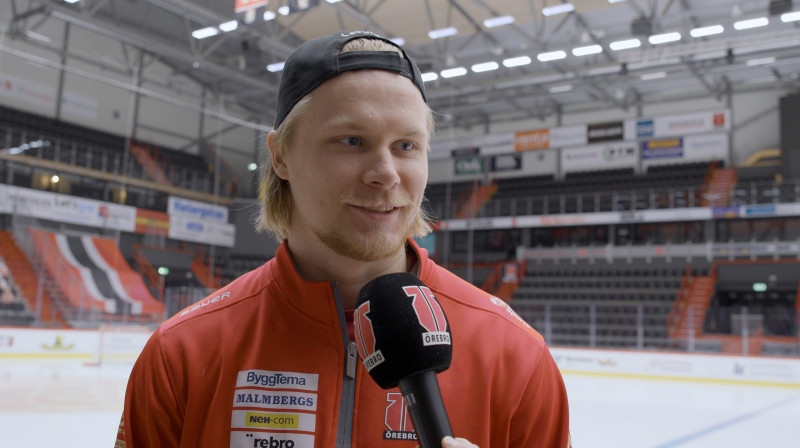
381, 169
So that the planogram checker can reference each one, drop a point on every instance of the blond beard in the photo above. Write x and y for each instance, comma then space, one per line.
367, 248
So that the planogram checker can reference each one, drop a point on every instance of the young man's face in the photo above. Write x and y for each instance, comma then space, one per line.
358, 165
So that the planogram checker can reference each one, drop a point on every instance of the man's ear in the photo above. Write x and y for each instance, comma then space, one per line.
276, 159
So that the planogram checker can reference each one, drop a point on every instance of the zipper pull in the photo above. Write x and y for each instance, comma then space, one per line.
352, 359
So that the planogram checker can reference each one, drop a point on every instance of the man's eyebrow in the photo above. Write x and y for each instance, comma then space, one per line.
356, 125
344, 122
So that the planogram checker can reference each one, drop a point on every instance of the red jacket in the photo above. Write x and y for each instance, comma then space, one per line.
267, 362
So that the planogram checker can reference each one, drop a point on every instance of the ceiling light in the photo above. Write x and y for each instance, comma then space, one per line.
790, 16
561, 89
707, 30
625, 44
615, 1
751, 23
587, 50
761, 61
399, 41
498, 21
651, 76
252, 166
558, 9
72, 1
485, 67
664, 38
551, 56
430, 76
40, 37
516, 62
333, 1
284, 10
268, 15
276, 67
453, 72
202, 33
229, 26
444, 32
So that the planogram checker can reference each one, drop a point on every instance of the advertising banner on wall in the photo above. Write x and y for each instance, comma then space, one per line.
600, 157
199, 222
468, 165
205, 232
678, 125
691, 148
506, 162
192, 220
604, 132
66, 209
466, 151
567, 136
706, 147
486, 144
118, 217
201, 211
532, 140
669, 148
152, 222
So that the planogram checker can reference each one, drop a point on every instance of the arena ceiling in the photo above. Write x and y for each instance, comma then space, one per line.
233, 64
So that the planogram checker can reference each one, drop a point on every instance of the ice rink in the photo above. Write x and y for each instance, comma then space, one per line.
67, 404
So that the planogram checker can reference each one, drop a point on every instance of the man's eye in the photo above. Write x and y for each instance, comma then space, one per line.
406, 146
352, 141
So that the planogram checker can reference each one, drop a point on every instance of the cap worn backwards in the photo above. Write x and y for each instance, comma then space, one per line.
320, 59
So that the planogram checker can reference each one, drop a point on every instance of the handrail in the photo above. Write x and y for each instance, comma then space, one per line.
50, 258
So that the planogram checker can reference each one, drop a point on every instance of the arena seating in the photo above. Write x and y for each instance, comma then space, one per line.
53, 140
609, 294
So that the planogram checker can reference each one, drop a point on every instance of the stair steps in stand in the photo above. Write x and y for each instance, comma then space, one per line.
27, 281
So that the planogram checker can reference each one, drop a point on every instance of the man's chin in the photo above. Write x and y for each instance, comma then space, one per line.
363, 248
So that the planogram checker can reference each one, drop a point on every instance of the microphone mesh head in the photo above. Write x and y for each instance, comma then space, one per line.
400, 329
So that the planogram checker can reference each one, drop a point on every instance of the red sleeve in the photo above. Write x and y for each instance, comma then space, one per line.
153, 416
541, 419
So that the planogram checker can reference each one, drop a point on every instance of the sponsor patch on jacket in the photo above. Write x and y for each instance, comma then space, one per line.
277, 380
294, 421
267, 399
253, 439
274, 409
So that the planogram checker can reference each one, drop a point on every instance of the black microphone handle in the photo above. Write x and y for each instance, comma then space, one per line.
424, 402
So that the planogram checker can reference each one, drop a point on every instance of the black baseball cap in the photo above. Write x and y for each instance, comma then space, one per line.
319, 60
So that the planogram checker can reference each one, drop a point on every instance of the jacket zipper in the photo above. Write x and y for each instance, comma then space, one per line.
344, 433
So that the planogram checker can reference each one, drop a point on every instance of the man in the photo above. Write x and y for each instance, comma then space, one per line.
268, 361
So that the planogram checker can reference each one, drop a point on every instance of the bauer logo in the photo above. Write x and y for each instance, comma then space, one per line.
277, 380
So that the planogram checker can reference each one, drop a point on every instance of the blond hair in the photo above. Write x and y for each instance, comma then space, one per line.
275, 193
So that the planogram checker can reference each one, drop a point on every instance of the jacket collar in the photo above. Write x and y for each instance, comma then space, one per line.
316, 299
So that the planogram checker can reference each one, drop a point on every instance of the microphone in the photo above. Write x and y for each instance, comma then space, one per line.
403, 339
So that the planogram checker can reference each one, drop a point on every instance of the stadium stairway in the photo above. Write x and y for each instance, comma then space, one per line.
202, 271
476, 201
28, 282
689, 309
143, 155
719, 187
